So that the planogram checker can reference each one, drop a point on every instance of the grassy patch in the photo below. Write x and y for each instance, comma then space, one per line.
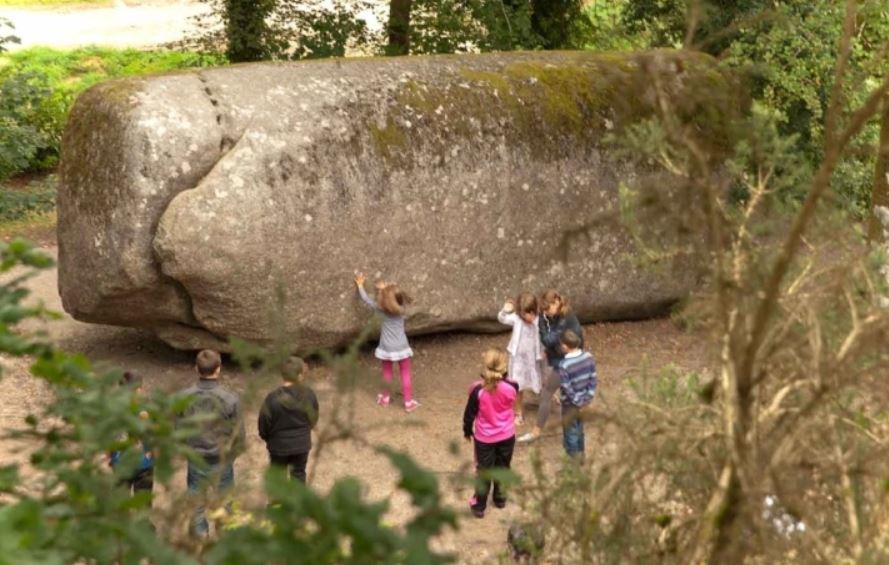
71, 71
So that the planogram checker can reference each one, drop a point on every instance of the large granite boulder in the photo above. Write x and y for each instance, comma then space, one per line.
236, 202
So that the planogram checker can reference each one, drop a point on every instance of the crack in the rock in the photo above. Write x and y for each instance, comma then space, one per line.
227, 144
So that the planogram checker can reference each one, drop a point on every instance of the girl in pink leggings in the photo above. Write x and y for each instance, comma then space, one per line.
393, 346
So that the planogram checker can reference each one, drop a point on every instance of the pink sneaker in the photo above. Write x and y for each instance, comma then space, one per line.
383, 399
475, 511
411, 405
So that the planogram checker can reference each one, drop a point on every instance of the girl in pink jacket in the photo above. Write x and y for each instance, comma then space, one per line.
488, 419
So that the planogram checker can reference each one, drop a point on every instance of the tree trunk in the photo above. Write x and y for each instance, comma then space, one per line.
399, 27
246, 32
880, 194
553, 20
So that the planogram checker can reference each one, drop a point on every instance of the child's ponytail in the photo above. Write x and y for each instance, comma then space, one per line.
494, 368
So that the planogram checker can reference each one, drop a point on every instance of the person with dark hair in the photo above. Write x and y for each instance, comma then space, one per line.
287, 418
142, 478
220, 437
578, 381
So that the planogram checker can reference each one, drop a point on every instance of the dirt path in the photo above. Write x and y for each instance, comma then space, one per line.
445, 365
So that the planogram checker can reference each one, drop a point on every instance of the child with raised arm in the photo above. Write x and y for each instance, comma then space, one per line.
525, 350
556, 318
578, 381
488, 419
287, 418
393, 347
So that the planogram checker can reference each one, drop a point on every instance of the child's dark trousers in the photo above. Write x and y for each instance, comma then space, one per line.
491, 456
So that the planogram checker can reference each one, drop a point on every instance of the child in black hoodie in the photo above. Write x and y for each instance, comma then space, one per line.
286, 420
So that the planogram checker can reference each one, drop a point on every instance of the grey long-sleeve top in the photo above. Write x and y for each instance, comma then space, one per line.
393, 341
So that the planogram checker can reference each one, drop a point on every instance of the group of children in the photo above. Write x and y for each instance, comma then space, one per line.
544, 355
285, 423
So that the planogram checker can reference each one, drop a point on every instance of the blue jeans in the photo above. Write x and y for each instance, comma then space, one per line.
200, 479
572, 431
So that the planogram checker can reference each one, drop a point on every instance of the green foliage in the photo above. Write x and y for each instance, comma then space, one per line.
561, 24
39, 85
762, 147
788, 50
607, 30
246, 30
791, 54
481, 25
21, 136
459, 26
74, 511
315, 30
713, 22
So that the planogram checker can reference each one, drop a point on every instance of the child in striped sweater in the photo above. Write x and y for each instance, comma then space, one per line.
578, 380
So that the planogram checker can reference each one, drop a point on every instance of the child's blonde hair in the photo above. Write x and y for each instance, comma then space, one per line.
494, 368
392, 299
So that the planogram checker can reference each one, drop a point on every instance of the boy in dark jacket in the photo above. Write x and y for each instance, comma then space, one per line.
287, 418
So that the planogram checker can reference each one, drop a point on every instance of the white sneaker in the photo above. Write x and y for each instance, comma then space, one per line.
526, 437
411, 405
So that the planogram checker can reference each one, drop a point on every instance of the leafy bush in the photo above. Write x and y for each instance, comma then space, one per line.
39, 85
21, 137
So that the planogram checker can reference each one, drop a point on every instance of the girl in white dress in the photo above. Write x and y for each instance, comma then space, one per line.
526, 353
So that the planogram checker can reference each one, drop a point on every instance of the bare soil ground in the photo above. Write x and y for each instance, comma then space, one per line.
445, 365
